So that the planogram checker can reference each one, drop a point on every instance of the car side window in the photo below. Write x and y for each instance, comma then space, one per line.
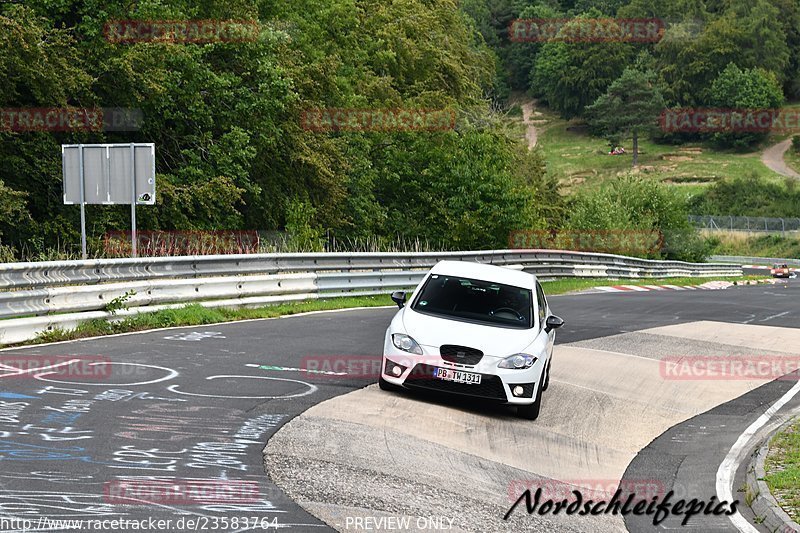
542, 303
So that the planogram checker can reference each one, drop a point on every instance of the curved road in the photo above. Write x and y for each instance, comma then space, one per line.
119, 422
773, 159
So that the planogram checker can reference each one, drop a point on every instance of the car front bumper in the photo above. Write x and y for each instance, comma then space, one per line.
496, 384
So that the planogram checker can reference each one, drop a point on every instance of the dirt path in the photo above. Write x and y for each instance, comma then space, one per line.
773, 158
530, 129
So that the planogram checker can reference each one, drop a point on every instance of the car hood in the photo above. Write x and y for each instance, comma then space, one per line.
431, 331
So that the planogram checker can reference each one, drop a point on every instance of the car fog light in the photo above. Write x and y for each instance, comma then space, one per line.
518, 391
393, 369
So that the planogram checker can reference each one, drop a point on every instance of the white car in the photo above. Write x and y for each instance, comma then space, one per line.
476, 330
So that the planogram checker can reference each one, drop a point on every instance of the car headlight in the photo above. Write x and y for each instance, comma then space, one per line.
406, 343
518, 361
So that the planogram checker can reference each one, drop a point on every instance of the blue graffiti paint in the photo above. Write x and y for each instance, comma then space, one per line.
17, 451
63, 419
15, 396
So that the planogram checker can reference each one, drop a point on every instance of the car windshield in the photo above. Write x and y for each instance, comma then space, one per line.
476, 301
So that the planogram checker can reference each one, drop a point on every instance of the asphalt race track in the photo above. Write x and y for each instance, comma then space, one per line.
194, 407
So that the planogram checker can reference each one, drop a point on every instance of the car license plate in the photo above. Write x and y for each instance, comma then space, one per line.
457, 376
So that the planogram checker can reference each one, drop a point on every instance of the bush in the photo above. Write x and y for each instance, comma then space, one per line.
796, 143
744, 89
752, 196
304, 235
635, 204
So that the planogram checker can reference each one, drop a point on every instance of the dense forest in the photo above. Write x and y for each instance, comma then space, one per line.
227, 116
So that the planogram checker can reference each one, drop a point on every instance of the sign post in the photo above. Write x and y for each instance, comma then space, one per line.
133, 203
109, 174
83, 207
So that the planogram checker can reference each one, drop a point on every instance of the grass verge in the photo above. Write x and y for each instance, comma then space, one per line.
195, 314
582, 160
792, 158
783, 469
749, 244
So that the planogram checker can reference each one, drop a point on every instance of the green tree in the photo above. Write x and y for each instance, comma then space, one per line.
569, 76
691, 56
630, 107
463, 190
745, 89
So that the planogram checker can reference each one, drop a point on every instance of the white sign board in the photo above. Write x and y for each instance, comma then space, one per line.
110, 174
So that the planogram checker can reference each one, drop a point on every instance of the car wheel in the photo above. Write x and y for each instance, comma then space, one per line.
547, 378
531, 412
385, 385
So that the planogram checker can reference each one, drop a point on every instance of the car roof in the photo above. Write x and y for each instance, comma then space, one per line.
485, 272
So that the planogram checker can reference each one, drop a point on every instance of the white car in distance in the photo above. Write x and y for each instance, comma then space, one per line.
476, 330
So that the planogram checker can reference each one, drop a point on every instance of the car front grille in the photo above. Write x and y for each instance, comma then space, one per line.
460, 354
490, 387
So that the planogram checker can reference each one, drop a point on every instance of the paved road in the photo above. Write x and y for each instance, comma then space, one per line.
773, 159
177, 405
191, 406
397, 456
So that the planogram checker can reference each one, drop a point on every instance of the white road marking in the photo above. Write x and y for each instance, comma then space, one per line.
102, 383
727, 470
290, 369
19, 372
311, 389
774, 316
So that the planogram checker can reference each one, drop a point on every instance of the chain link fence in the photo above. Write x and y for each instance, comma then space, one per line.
749, 224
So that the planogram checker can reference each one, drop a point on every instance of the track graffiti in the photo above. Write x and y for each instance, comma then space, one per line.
170, 374
310, 389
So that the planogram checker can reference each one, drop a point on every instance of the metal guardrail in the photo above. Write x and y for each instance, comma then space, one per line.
62, 294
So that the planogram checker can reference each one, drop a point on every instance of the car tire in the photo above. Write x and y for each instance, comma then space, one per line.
531, 412
385, 385
547, 378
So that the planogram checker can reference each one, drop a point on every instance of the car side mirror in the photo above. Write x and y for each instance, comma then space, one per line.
552, 322
399, 297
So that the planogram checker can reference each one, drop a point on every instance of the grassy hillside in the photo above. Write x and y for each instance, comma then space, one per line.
579, 159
